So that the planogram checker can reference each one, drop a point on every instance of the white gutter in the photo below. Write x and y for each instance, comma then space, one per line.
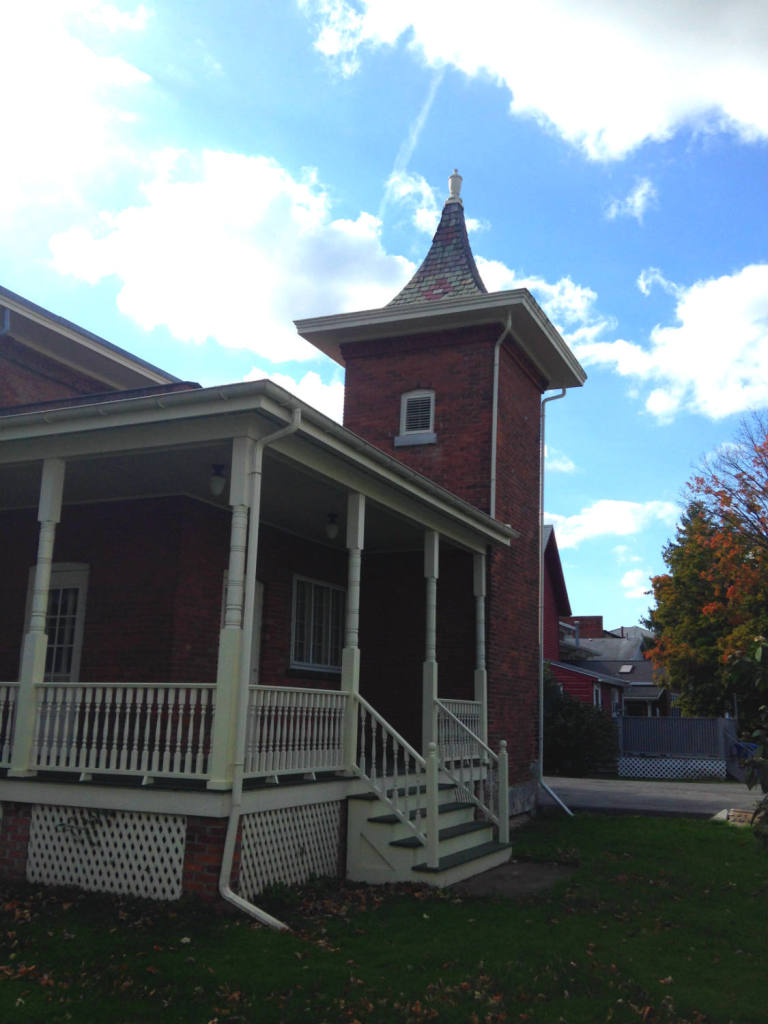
542, 445
245, 680
495, 413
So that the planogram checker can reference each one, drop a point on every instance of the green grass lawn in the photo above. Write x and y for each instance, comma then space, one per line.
664, 920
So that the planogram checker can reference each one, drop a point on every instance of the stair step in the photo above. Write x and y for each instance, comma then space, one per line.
445, 833
391, 819
453, 860
412, 790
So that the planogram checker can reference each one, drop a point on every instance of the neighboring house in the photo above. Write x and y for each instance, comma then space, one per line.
563, 646
224, 615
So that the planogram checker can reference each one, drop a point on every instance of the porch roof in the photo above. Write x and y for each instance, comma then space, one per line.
254, 409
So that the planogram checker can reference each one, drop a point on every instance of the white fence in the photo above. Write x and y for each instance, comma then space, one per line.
291, 730
146, 729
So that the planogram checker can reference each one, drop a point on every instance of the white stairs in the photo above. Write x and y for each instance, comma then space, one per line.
383, 848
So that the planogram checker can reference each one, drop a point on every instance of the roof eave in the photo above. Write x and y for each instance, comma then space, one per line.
531, 329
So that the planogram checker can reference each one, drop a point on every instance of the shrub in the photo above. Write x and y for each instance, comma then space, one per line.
578, 738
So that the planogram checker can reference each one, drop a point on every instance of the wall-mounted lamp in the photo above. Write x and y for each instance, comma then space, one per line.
332, 526
217, 481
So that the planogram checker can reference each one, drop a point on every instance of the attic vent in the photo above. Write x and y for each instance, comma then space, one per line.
417, 418
418, 413
625, 669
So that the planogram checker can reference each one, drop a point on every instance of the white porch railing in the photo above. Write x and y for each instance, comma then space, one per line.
8, 692
394, 770
147, 729
293, 730
480, 775
452, 730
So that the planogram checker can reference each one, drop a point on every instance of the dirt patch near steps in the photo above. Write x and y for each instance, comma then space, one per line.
517, 878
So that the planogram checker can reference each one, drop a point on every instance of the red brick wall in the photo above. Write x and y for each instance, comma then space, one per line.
28, 376
459, 367
281, 556
590, 626
14, 839
202, 857
154, 588
513, 664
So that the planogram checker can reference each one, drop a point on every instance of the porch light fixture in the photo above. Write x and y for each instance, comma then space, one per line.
217, 481
332, 526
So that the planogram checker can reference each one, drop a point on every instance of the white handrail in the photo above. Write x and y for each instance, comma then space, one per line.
472, 756
397, 774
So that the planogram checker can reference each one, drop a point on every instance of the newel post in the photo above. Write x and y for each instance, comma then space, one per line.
503, 793
350, 655
231, 634
32, 672
429, 668
431, 822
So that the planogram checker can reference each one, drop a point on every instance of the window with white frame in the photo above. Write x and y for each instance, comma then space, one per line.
64, 620
417, 418
317, 625
596, 698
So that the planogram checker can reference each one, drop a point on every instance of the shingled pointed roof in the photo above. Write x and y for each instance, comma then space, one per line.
449, 269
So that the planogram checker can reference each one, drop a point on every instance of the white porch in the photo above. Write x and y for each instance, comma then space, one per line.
65, 735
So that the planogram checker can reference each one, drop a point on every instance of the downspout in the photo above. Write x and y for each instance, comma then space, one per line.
542, 783
5, 325
495, 412
245, 680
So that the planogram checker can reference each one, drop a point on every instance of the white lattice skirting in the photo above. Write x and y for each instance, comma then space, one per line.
289, 845
672, 768
121, 852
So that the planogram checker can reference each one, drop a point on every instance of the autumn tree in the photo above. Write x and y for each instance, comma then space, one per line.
712, 604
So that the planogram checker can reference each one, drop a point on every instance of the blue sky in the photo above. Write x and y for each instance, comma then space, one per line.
186, 178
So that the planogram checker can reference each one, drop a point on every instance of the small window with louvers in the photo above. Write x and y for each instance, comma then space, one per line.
417, 418
418, 413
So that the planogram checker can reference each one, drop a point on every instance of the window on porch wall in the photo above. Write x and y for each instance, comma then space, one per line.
64, 621
318, 625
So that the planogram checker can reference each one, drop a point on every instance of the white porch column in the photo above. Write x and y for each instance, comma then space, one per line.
481, 673
36, 640
231, 633
350, 655
429, 668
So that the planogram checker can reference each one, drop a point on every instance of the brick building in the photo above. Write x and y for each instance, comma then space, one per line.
226, 618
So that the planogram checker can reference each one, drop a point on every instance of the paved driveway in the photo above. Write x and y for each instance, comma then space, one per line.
699, 799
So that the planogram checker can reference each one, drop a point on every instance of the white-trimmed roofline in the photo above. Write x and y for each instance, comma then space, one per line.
530, 326
77, 347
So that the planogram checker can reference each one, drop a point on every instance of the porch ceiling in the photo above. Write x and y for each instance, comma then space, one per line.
294, 498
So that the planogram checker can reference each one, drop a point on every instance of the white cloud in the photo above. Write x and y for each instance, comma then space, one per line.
650, 276
713, 360
606, 76
233, 248
558, 462
624, 555
414, 190
635, 583
70, 104
571, 307
608, 517
326, 398
642, 196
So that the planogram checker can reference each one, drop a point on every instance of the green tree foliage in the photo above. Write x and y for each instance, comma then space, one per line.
578, 738
712, 603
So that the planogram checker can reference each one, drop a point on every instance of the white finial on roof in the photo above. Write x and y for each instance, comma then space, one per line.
454, 188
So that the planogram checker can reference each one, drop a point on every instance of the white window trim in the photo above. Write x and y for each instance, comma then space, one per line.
411, 437
310, 666
73, 575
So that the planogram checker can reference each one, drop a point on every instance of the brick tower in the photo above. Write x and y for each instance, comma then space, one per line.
448, 379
